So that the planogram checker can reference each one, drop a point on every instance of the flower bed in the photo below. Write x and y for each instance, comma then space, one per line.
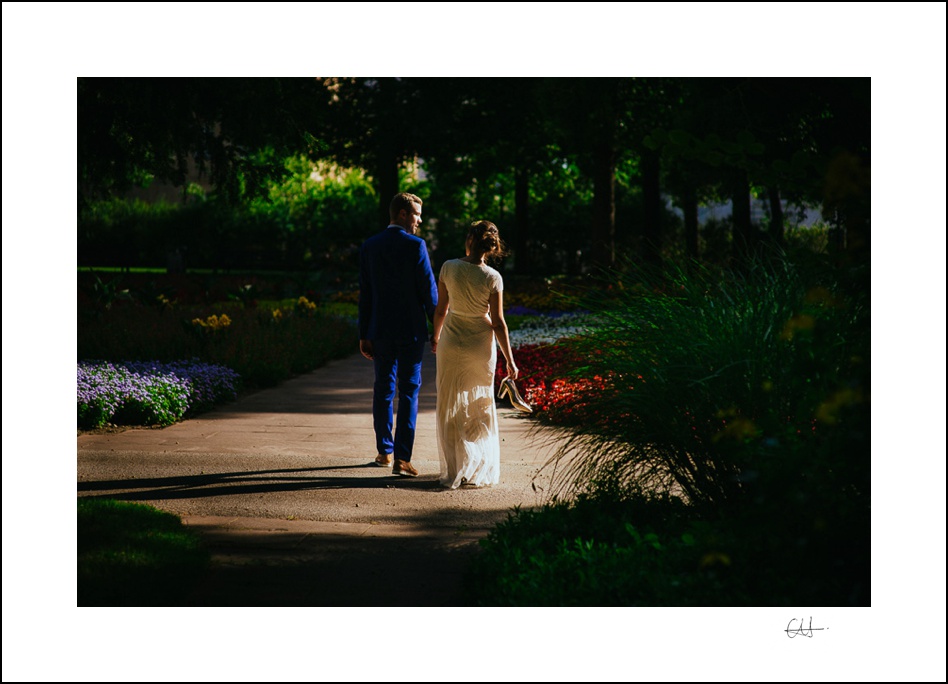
149, 393
534, 328
547, 380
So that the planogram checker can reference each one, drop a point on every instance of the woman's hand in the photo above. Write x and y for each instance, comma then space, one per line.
513, 371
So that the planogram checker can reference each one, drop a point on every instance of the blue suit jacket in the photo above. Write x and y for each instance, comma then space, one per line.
397, 290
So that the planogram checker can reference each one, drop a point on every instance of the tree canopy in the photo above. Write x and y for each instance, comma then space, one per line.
581, 167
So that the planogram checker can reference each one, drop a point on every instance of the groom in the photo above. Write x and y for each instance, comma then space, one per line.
397, 297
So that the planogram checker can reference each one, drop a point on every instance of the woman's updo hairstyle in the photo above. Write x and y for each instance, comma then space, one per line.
485, 239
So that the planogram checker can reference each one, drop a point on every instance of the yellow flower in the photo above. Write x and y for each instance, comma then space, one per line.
305, 306
715, 558
736, 427
795, 324
819, 296
213, 322
828, 411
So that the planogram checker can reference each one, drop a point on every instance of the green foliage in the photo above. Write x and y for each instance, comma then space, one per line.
487, 144
94, 414
106, 292
149, 393
165, 404
314, 216
134, 555
559, 195
622, 549
264, 345
814, 238
322, 212
714, 241
743, 394
128, 232
593, 552
132, 130
704, 370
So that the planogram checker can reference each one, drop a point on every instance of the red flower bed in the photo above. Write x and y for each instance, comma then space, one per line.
545, 381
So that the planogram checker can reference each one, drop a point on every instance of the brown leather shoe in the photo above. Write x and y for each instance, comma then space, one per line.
383, 460
404, 468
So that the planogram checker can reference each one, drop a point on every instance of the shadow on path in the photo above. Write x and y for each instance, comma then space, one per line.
334, 570
280, 487
260, 562
250, 482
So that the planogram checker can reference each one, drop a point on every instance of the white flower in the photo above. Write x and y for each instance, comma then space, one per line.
548, 330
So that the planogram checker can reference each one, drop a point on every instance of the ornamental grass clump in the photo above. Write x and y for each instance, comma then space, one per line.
721, 441
714, 384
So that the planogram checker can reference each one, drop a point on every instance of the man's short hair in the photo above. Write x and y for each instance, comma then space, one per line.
402, 200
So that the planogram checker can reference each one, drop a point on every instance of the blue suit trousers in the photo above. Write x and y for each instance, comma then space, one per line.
396, 364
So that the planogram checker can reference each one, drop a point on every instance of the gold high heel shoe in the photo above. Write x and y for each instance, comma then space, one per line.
508, 387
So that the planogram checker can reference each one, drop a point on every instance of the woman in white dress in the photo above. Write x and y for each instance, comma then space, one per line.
468, 318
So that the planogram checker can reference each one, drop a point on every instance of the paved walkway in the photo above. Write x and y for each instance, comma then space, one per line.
282, 487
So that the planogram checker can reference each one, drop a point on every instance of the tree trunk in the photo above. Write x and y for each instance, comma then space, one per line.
652, 195
776, 216
604, 206
387, 182
523, 263
742, 239
690, 206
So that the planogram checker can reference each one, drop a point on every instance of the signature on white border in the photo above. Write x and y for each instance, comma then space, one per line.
797, 628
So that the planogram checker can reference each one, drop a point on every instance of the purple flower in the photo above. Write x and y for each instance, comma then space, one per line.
149, 392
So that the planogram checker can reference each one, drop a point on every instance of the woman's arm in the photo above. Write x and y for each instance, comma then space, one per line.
499, 325
440, 312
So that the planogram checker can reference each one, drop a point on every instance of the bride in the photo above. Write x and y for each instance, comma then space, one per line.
468, 318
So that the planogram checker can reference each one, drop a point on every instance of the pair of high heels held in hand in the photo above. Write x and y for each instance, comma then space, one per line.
509, 388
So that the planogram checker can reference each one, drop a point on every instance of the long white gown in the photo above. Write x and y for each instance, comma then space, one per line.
468, 439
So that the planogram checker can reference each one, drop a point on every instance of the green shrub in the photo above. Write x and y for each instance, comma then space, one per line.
149, 393
94, 413
606, 551
263, 349
645, 550
164, 405
313, 218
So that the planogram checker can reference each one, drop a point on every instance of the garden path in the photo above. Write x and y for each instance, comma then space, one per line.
282, 487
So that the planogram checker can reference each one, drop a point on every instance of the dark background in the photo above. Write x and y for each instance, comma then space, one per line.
577, 172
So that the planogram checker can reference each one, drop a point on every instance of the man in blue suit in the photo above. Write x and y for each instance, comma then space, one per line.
397, 298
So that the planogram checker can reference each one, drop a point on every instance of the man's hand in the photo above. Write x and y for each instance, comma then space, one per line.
365, 346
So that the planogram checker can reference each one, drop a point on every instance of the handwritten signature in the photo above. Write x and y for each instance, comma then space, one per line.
802, 630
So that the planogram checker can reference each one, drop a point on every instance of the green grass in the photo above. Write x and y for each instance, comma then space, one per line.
134, 555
